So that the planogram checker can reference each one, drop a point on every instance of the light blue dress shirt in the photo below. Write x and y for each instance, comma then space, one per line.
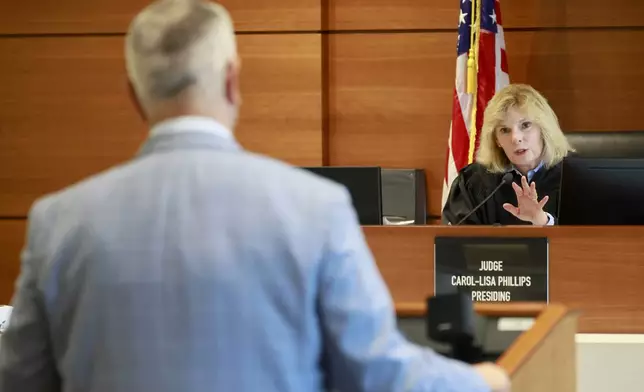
200, 267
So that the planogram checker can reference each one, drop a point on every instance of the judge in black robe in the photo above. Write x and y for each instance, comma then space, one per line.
474, 183
521, 136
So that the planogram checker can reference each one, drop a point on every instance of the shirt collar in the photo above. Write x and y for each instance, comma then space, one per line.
182, 124
531, 173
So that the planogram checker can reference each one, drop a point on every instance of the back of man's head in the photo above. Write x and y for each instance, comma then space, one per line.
180, 55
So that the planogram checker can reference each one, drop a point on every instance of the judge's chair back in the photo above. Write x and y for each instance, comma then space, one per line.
614, 144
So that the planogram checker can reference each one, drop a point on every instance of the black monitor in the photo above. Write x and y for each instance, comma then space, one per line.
602, 191
363, 183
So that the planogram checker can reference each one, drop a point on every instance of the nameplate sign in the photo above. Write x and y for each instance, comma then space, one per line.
492, 269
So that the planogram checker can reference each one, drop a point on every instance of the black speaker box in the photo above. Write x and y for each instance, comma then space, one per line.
450, 318
382, 196
363, 183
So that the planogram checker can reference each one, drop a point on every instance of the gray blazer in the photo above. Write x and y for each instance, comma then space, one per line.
201, 267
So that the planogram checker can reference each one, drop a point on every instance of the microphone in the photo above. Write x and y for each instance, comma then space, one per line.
451, 320
507, 178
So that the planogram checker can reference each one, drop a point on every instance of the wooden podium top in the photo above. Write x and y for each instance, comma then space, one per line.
542, 358
596, 270
514, 309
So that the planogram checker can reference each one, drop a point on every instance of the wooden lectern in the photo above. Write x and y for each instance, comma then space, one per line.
542, 358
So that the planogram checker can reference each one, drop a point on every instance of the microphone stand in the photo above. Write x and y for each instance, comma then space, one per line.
464, 350
507, 178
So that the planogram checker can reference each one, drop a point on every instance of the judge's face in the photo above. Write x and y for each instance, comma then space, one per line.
521, 140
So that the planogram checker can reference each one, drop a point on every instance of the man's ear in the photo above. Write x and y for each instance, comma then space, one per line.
233, 89
136, 102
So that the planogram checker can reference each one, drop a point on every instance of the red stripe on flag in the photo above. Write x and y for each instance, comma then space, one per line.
504, 61
497, 11
460, 137
486, 77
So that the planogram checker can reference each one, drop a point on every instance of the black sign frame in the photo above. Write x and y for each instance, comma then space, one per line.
525, 274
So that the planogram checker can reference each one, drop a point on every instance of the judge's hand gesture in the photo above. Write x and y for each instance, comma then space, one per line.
528, 207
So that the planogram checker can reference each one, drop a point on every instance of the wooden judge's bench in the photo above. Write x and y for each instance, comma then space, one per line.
597, 271
595, 276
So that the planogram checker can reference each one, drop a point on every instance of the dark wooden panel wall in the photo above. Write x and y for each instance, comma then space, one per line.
339, 82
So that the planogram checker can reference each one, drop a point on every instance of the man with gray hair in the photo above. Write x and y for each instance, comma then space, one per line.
201, 267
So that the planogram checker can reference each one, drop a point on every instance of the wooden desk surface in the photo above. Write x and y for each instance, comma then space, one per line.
598, 271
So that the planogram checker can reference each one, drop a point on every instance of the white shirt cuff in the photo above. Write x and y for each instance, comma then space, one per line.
5, 313
551, 220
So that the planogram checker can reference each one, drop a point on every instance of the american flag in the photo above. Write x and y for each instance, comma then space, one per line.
491, 75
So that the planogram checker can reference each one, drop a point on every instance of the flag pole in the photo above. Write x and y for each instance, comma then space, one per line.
471, 60
472, 73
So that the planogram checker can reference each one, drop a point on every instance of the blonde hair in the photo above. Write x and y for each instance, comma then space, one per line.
173, 45
529, 101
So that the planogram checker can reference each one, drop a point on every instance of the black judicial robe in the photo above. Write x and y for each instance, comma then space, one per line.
474, 183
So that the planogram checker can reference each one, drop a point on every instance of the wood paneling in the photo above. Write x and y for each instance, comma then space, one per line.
572, 13
391, 94
65, 112
281, 114
490, 309
114, 16
443, 14
596, 270
390, 102
392, 14
275, 15
12, 236
593, 79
